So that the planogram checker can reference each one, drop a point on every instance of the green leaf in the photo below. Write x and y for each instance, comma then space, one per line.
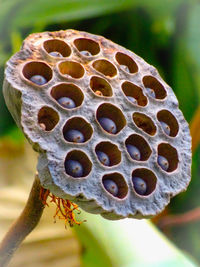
184, 82
186, 60
19, 15
193, 42
27, 13
16, 40
15, 14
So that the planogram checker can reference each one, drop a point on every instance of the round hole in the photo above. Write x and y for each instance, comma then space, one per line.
83, 45
70, 91
71, 68
146, 179
170, 154
112, 154
47, 118
170, 125
152, 83
134, 94
60, 48
110, 118
100, 86
119, 184
77, 130
77, 164
37, 72
126, 62
144, 122
142, 151
105, 67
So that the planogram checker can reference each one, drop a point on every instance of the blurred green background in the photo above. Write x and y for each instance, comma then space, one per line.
165, 33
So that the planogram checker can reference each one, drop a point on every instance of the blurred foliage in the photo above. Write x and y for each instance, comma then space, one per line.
165, 33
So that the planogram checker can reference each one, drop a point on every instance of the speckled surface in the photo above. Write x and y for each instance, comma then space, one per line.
25, 99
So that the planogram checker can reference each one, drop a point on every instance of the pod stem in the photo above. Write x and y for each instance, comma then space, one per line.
26, 222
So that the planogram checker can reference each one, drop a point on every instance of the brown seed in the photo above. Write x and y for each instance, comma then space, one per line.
98, 93
43, 126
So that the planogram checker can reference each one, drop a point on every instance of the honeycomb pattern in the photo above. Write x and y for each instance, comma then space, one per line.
90, 106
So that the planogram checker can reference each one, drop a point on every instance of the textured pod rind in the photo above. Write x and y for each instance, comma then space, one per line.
38, 113
13, 101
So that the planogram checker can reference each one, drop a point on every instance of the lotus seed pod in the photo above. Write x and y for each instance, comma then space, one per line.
100, 77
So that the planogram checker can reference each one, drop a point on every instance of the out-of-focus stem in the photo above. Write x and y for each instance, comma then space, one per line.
178, 219
194, 129
27, 221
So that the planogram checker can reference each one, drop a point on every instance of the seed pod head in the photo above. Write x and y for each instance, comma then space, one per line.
69, 85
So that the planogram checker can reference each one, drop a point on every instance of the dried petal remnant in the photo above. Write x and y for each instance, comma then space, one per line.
64, 208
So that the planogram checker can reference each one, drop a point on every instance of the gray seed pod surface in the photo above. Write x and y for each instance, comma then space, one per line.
102, 80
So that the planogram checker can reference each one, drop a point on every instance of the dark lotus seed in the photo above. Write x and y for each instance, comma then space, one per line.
55, 54
74, 136
140, 185
151, 92
163, 162
165, 127
74, 168
86, 53
108, 125
111, 187
103, 158
134, 152
66, 102
132, 99
38, 79
125, 68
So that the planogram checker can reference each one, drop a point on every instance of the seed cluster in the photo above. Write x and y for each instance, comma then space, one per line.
107, 128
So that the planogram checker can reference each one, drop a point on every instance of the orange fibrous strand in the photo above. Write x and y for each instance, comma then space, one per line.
44, 193
64, 207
